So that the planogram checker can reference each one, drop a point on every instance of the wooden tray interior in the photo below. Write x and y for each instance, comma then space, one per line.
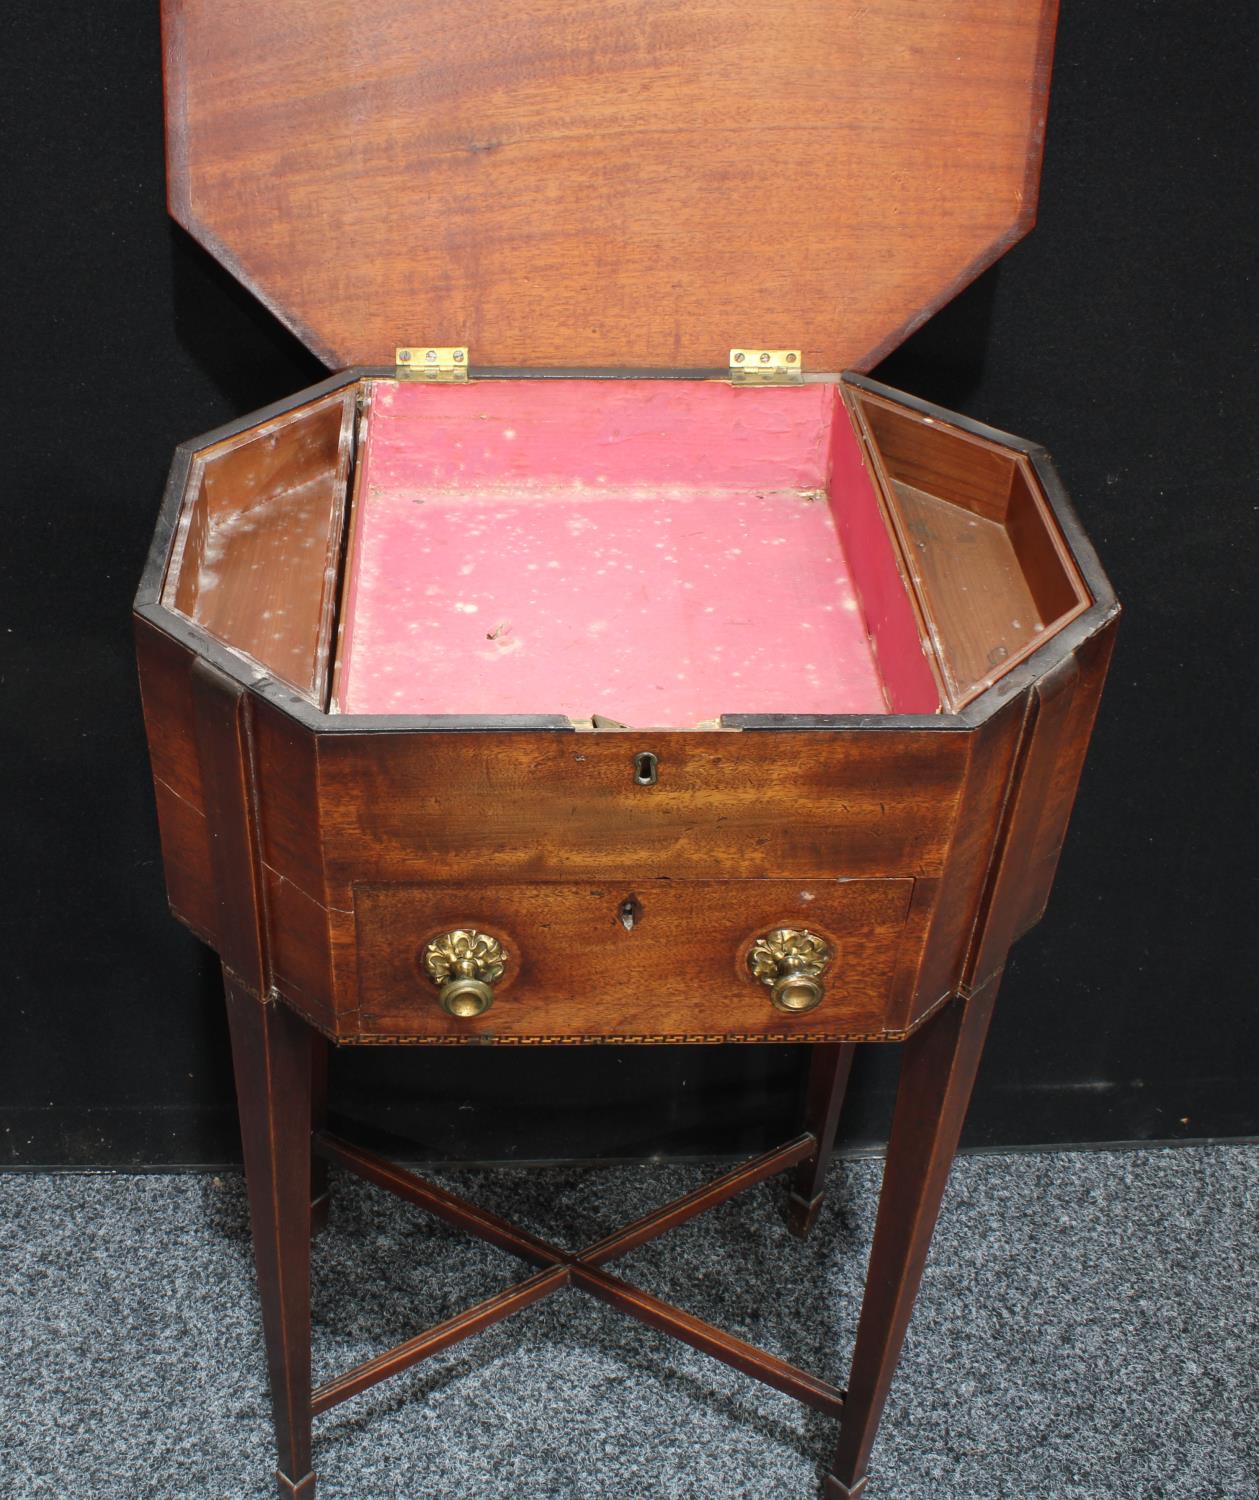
257, 545
989, 573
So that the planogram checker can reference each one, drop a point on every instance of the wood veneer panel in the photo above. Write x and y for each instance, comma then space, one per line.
1049, 573
1064, 706
948, 464
1056, 795
573, 967
505, 173
166, 693
991, 764
300, 949
556, 806
221, 719
968, 569
186, 845
285, 759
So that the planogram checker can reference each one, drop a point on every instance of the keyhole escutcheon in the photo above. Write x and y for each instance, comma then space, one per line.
646, 768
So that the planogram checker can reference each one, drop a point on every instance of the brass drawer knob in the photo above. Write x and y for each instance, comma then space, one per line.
465, 963
790, 961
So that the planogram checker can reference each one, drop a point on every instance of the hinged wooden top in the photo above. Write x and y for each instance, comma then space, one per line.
615, 183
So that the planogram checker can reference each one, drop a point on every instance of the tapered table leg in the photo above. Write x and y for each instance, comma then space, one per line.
271, 1053
829, 1067
938, 1067
320, 1049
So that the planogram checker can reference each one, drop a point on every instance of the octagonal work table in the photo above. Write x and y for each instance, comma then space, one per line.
839, 655
600, 672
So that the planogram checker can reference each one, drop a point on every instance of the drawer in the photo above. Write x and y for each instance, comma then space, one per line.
657, 960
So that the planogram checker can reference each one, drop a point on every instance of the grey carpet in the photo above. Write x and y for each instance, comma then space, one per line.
1086, 1329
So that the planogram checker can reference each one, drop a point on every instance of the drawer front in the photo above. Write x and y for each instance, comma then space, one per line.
659, 960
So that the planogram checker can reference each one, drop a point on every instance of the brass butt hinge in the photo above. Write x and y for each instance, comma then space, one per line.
766, 367
449, 366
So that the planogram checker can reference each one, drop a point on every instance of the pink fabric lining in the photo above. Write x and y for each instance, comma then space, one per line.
658, 552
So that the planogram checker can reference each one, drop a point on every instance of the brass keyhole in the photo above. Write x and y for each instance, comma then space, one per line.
646, 768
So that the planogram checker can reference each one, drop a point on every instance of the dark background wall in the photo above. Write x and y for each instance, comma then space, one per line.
1121, 335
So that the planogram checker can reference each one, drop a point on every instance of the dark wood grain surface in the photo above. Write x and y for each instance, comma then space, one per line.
829, 1069
271, 1055
573, 967
631, 184
938, 1067
221, 715
548, 809
255, 559
982, 555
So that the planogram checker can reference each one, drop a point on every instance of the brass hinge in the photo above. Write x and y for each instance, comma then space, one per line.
766, 367
421, 363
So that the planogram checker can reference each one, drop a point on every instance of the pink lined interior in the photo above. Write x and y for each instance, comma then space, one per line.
656, 552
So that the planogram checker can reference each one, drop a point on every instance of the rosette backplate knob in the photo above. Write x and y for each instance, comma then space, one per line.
465, 963
790, 962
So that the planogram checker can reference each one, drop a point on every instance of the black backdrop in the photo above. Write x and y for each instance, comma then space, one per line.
1120, 334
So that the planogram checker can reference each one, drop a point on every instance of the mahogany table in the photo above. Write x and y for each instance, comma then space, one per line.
441, 880
579, 665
